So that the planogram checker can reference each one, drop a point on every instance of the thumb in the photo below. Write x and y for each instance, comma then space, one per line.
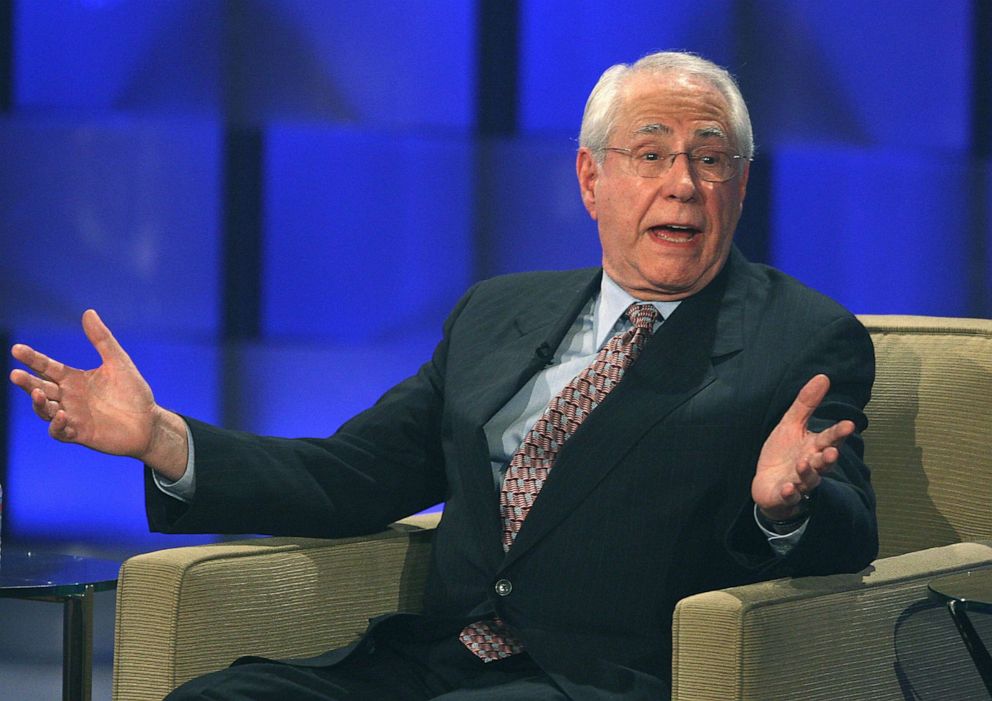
101, 338
807, 400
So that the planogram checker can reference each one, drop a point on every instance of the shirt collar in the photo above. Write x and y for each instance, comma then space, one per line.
613, 302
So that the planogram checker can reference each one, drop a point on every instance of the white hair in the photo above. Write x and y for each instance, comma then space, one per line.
605, 100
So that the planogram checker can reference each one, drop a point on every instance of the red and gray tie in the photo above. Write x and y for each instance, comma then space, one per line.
531, 463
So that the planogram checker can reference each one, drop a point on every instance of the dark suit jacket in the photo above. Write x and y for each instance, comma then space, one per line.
648, 502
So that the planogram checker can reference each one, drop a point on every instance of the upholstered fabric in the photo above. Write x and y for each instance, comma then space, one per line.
186, 611
871, 635
829, 638
928, 441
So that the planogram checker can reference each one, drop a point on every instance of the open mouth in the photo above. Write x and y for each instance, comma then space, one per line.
675, 233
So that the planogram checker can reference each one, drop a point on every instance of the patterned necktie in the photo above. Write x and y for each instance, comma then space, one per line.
530, 464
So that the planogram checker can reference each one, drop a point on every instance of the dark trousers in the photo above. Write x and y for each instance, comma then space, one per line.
394, 670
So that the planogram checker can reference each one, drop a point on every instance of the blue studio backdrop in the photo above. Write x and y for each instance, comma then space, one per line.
274, 203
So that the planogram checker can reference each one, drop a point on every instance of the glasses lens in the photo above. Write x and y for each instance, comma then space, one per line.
714, 165
650, 160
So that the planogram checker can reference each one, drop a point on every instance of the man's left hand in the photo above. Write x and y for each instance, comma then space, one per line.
793, 458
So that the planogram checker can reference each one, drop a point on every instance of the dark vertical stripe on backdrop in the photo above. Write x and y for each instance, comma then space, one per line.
497, 67
243, 180
6, 397
243, 195
497, 92
6, 55
6, 104
754, 231
980, 175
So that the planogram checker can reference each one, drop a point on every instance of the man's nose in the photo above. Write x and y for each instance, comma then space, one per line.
679, 181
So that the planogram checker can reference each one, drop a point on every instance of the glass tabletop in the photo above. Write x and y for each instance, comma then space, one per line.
973, 589
27, 573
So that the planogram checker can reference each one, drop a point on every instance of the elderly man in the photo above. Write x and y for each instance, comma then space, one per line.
607, 441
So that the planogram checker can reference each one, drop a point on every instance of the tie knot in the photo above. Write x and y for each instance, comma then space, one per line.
642, 316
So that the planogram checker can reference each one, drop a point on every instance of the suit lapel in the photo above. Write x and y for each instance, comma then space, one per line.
675, 365
538, 329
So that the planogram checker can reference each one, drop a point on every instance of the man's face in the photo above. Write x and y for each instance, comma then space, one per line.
664, 238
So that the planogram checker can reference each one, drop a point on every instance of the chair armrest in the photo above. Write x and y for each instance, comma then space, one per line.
186, 611
854, 636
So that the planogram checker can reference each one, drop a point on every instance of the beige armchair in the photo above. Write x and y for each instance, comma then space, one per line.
871, 635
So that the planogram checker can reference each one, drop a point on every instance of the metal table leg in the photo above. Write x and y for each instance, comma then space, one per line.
77, 646
979, 654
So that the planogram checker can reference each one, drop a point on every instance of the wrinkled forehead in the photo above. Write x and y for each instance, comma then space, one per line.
670, 105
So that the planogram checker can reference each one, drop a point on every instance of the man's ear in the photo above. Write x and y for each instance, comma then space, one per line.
588, 173
742, 182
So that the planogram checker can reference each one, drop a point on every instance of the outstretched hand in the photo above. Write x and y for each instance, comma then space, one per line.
109, 408
793, 458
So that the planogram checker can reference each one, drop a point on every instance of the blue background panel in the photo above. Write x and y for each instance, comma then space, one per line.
117, 214
121, 55
62, 492
882, 231
889, 72
567, 45
297, 390
293, 390
368, 234
389, 63
546, 227
296, 58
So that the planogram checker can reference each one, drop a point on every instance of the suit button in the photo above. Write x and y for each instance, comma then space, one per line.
504, 587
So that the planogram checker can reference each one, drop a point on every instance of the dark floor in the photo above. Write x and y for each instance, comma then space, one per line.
31, 649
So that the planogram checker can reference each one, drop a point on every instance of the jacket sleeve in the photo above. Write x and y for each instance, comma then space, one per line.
841, 534
385, 463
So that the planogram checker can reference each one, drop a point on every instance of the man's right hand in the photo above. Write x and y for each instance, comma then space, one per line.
110, 408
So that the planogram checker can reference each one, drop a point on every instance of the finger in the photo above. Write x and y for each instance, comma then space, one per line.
47, 387
25, 380
834, 436
59, 428
29, 383
805, 479
811, 480
39, 362
808, 473
101, 338
807, 400
821, 462
791, 494
806, 467
44, 407
38, 403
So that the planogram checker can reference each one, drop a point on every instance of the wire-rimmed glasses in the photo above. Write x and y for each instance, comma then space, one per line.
709, 163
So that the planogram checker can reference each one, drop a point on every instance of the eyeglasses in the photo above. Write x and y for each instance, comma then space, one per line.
713, 165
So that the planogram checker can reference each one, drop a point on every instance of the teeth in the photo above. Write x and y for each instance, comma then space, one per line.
665, 233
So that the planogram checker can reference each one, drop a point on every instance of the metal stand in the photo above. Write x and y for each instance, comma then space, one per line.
77, 643
77, 646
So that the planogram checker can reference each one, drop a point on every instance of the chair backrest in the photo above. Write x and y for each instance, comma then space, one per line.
929, 438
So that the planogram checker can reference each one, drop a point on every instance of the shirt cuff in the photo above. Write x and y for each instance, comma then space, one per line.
183, 488
781, 544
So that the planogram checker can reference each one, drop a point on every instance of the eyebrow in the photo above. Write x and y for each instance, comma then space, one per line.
653, 129
711, 131
658, 128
